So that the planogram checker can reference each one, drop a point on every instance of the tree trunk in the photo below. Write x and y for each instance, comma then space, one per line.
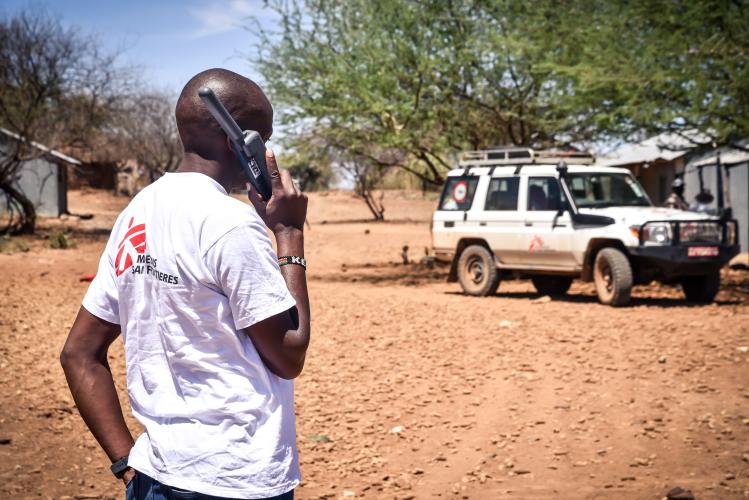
26, 223
374, 206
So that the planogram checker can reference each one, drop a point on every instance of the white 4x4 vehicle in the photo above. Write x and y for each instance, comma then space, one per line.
520, 212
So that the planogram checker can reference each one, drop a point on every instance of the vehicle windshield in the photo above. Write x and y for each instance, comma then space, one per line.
599, 190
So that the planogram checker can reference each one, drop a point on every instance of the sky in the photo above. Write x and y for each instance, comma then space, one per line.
170, 40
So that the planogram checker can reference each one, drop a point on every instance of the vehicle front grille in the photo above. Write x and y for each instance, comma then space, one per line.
700, 232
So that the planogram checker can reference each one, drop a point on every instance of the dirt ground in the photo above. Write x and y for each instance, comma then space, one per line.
412, 390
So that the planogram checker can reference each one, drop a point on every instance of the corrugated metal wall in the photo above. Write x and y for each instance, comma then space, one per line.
43, 183
738, 188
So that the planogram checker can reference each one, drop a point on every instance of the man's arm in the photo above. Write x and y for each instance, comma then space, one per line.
84, 360
282, 340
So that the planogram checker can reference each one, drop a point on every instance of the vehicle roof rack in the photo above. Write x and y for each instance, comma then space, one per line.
515, 156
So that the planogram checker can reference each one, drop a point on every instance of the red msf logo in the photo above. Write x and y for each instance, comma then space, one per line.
536, 244
133, 243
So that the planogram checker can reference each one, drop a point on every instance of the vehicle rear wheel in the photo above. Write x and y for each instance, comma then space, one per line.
553, 286
612, 274
701, 289
477, 273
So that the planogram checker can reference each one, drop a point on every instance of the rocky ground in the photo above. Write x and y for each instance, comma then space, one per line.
412, 390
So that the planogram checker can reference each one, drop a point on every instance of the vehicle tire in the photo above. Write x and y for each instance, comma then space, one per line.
477, 273
701, 289
612, 274
554, 286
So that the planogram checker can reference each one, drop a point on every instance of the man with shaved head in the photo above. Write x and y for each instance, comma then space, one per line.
215, 324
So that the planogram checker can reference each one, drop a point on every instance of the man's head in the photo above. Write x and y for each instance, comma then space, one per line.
678, 186
201, 134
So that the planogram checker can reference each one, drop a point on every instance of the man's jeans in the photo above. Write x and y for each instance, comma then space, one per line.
143, 487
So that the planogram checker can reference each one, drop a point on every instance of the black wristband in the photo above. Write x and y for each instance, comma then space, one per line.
292, 259
119, 467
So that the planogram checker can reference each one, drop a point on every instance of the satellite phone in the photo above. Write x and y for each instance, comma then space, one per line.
248, 145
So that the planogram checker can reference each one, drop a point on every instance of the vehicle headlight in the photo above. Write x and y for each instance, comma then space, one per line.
707, 232
658, 233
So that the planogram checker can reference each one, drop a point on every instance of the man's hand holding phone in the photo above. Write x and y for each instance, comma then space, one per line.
286, 210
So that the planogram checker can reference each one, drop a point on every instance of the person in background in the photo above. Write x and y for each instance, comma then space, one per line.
676, 198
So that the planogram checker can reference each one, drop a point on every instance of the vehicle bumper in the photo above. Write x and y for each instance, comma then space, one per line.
674, 260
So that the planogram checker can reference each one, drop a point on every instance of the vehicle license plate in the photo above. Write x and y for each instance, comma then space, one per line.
702, 252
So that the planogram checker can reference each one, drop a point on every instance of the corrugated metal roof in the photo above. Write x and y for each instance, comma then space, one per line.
664, 147
726, 158
42, 147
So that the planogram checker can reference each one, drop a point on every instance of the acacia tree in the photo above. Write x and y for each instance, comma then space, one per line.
57, 87
422, 79
650, 67
425, 79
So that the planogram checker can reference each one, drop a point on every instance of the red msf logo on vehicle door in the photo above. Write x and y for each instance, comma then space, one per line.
460, 192
133, 243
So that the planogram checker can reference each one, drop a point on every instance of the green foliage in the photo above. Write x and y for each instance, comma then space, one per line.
311, 168
664, 66
61, 240
407, 84
10, 245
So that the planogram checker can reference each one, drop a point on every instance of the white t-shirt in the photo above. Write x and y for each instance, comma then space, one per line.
185, 269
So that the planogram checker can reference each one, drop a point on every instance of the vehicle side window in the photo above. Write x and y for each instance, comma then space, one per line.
503, 194
458, 193
543, 194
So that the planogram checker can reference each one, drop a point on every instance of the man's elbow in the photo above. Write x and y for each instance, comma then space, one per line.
71, 358
68, 358
289, 370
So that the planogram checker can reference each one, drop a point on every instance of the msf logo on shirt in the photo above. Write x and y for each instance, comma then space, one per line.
133, 243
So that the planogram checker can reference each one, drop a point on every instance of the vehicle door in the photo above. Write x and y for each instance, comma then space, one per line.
498, 220
547, 233
449, 222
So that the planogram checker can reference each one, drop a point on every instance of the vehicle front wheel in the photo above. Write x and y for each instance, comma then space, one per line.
477, 273
553, 286
701, 289
612, 274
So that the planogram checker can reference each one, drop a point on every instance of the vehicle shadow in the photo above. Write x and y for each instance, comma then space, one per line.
387, 274
581, 298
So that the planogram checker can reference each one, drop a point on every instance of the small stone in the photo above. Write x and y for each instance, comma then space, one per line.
730, 476
348, 494
679, 494
397, 429
520, 472
743, 349
505, 324
662, 359
418, 472
541, 300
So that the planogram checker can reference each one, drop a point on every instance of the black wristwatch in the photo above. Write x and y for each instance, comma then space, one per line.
119, 467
